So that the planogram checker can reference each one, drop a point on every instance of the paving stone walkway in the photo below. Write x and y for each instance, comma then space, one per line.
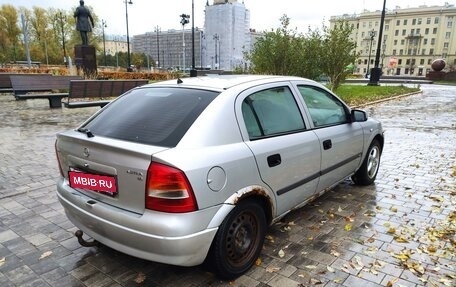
399, 232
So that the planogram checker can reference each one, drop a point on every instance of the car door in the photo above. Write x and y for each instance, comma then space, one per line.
341, 140
287, 153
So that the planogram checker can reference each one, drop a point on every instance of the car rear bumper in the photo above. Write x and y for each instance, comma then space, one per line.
131, 233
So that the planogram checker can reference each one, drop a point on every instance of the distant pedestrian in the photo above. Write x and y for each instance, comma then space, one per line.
84, 22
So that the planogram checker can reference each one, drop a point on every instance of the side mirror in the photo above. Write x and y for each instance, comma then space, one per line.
358, 116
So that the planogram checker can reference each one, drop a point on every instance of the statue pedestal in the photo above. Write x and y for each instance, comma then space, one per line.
435, 75
85, 59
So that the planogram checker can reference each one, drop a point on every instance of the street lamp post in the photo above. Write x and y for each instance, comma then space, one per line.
184, 20
129, 69
193, 72
157, 29
371, 36
103, 25
376, 71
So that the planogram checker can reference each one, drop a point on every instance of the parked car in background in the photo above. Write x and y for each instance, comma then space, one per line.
195, 169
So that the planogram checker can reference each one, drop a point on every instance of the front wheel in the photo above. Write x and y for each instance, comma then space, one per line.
238, 241
367, 173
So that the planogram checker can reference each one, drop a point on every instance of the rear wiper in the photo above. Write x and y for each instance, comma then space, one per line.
86, 131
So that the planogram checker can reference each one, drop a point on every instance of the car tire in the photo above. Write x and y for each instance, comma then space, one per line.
367, 173
238, 241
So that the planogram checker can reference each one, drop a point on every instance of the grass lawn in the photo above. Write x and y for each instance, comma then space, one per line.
355, 95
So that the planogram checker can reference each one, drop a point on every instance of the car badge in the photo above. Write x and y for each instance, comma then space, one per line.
86, 152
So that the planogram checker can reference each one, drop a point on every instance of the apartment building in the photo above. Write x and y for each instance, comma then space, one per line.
171, 49
412, 39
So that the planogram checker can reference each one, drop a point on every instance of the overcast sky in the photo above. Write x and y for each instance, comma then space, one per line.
145, 15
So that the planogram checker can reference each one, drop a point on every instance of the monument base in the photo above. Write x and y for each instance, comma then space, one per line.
85, 60
435, 75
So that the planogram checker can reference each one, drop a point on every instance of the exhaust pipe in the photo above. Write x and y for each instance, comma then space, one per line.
83, 242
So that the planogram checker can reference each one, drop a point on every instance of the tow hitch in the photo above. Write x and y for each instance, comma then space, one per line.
85, 243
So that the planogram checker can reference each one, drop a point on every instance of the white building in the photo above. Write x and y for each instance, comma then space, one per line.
226, 34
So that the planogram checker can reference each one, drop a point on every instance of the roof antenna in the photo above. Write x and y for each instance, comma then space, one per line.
179, 81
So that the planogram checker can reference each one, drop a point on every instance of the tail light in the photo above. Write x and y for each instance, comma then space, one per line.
58, 159
168, 190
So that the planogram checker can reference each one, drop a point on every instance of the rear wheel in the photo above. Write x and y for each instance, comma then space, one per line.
367, 173
238, 241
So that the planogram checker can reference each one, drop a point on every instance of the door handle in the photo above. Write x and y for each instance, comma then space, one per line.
327, 144
274, 160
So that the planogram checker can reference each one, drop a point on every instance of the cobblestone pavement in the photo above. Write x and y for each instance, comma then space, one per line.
398, 232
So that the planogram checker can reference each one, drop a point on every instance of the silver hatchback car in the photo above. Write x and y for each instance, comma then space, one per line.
194, 170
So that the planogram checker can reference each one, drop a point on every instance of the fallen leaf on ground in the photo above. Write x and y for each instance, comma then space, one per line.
330, 269
370, 239
349, 219
391, 282
403, 255
446, 282
270, 238
348, 227
401, 239
391, 230
272, 269
45, 254
371, 250
281, 253
310, 266
258, 262
2, 261
345, 268
140, 278
359, 263
335, 253
314, 281
370, 213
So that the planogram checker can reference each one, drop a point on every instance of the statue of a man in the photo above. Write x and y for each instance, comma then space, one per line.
84, 22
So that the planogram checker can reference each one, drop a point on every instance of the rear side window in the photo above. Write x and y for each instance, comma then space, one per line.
155, 116
271, 112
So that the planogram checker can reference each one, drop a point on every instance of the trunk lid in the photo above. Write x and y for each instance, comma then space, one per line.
124, 163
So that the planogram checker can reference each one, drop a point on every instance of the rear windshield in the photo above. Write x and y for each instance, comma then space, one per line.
155, 116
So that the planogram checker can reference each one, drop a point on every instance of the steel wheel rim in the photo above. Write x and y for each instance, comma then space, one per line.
242, 237
373, 161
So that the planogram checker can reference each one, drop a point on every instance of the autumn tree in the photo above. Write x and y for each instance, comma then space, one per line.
9, 32
276, 52
318, 52
51, 33
337, 53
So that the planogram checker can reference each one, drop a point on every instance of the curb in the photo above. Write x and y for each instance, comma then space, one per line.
387, 99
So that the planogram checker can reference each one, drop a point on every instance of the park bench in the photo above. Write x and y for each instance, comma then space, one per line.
29, 87
91, 93
5, 81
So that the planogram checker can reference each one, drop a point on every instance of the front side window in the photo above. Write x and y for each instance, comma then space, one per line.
271, 112
324, 108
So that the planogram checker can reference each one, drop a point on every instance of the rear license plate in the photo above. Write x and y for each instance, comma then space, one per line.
99, 183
